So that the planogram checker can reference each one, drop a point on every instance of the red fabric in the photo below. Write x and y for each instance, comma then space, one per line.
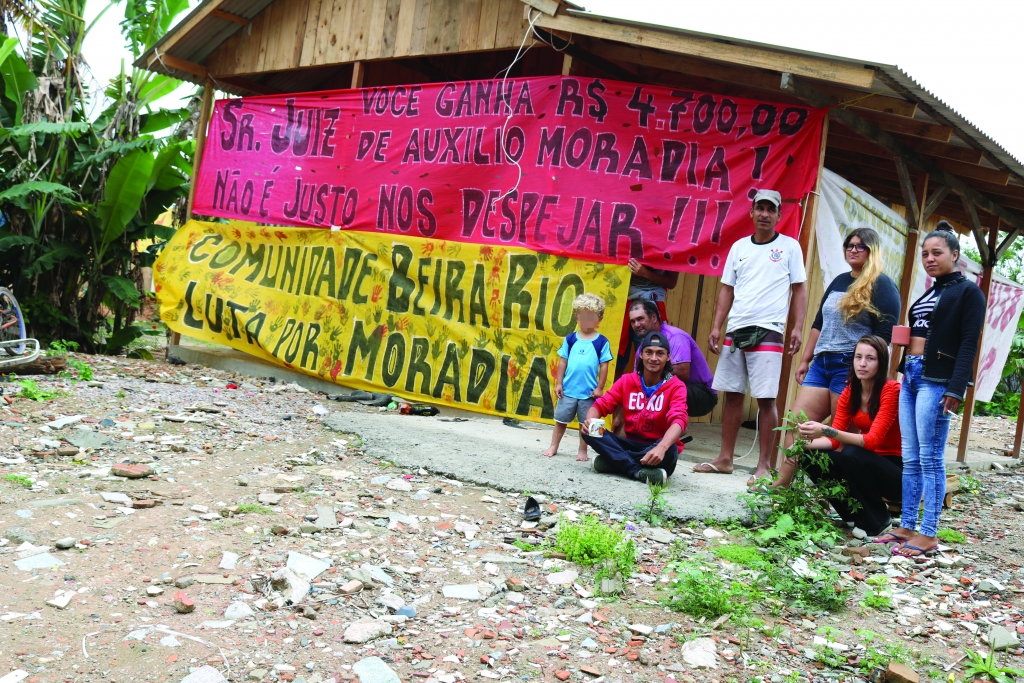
584, 168
625, 339
647, 419
881, 435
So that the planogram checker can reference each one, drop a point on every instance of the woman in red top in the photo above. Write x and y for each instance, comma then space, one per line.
863, 441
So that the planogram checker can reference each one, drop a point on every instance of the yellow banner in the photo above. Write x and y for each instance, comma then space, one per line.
470, 326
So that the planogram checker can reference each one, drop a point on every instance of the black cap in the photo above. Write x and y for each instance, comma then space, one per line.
654, 339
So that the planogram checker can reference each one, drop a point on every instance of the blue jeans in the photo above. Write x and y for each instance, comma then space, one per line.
828, 370
924, 428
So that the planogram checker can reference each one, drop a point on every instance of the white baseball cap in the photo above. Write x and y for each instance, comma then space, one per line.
769, 195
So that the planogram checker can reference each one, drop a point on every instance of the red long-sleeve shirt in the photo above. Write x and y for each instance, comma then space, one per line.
647, 419
881, 435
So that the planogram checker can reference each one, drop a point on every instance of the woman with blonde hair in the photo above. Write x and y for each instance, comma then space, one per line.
862, 302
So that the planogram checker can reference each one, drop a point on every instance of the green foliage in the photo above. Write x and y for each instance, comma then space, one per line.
951, 536
33, 392
970, 484
590, 541
702, 592
792, 516
80, 188
820, 589
60, 348
19, 480
655, 511
254, 509
746, 555
978, 666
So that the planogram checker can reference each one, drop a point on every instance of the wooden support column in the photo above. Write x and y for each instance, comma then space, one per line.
566, 64
1020, 427
916, 207
358, 71
204, 123
986, 289
808, 243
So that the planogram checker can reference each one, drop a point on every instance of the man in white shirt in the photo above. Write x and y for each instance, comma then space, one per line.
760, 274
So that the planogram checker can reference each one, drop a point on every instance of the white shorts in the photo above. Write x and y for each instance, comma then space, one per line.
758, 367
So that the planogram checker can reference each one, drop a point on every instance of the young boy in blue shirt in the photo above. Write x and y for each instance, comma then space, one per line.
582, 370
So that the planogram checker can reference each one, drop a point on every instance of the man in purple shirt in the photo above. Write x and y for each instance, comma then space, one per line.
688, 363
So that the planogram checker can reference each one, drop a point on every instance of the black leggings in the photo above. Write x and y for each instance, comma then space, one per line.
868, 478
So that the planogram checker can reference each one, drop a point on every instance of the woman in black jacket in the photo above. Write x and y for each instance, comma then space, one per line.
938, 365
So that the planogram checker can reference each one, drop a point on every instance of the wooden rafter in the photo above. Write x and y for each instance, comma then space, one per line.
907, 188
975, 225
227, 16
855, 122
934, 199
745, 55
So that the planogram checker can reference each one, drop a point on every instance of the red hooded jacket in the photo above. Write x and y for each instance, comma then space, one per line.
647, 419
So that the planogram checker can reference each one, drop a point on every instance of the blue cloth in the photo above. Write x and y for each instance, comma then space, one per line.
924, 427
828, 371
582, 366
624, 455
649, 391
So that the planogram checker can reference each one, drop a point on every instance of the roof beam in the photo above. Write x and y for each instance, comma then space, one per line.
744, 76
919, 129
587, 57
545, 6
979, 236
909, 196
968, 155
718, 50
851, 120
170, 62
965, 170
1007, 241
227, 16
934, 199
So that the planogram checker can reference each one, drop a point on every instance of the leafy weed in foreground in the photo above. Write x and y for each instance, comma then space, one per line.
589, 542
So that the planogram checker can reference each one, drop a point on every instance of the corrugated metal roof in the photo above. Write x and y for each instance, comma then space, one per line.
897, 81
211, 31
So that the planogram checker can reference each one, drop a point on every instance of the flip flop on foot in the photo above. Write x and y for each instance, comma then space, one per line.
888, 537
708, 468
914, 552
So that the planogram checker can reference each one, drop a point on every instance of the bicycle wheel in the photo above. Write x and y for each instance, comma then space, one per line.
12, 322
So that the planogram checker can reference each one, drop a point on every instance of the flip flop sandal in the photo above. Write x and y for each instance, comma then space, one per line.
531, 511
711, 469
922, 552
893, 538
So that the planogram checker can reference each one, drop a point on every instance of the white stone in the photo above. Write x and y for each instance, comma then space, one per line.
228, 561
206, 674
467, 591
700, 652
237, 611
61, 600
366, 630
374, 670
62, 422
642, 629
562, 578
712, 533
398, 485
467, 529
115, 498
305, 566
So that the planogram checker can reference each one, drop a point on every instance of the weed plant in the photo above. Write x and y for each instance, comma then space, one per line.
33, 392
254, 509
702, 592
951, 536
19, 479
590, 542
981, 667
655, 511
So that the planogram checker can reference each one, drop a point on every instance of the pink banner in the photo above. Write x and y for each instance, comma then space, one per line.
583, 168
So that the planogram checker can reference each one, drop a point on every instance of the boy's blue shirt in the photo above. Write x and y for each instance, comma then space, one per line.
582, 365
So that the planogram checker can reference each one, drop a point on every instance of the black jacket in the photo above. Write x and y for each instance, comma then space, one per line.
953, 333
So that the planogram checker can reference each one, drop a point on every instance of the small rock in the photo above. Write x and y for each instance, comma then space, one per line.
366, 630
1001, 639
350, 587
990, 586
182, 603
18, 535
65, 543
562, 578
269, 498
641, 629
205, 674
901, 673
398, 485
184, 581
128, 471
374, 670
468, 591
238, 611
859, 533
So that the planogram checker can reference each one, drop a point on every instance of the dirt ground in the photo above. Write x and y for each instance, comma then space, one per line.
241, 478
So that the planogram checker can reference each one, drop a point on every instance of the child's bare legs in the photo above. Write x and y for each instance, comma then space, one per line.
581, 454
556, 438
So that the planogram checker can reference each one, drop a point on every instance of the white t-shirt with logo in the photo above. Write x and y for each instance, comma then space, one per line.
762, 275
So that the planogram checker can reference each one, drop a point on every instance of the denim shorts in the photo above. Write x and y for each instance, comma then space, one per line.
828, 371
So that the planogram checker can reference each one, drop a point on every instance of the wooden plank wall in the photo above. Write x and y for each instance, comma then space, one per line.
291, 34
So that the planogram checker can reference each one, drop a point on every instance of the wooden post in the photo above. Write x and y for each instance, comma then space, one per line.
358, 71
204, 123
566, 64
986, 289
1020, 427
808, 243
914, 228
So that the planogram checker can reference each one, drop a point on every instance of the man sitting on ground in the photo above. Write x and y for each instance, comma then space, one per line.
654, 403
688, 363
